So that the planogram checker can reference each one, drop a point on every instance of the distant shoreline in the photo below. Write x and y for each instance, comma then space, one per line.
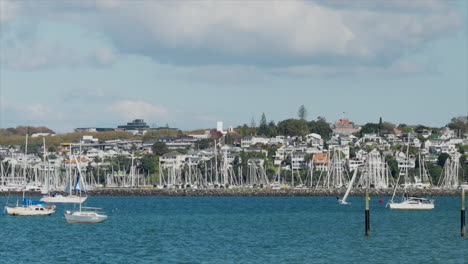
251, 192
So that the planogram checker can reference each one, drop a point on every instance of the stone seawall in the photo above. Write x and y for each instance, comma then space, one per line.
250, 192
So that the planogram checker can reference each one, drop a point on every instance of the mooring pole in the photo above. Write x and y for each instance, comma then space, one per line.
367, 214
462, 215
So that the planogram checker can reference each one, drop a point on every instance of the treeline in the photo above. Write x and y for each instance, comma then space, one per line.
288, 127
23, 130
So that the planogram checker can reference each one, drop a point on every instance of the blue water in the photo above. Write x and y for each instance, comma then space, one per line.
238, 230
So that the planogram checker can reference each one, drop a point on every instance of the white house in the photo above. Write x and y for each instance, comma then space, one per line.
248, 141
172, 159
315, 140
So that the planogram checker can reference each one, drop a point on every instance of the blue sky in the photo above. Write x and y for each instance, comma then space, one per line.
71, 64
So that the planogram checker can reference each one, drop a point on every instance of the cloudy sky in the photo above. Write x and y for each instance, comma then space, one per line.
68, 64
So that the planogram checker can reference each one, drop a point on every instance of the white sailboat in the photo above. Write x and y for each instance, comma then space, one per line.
90, 215
29, 207
409, 203
350, 185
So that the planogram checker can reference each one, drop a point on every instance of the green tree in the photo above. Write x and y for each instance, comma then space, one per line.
320, 127
252, 123
204, 143
293, 127
149, 163
263, 128
370, 128
459, 124
302, 112
159, 148
272, 129
392, 165
434, 171
442, 158
244, 130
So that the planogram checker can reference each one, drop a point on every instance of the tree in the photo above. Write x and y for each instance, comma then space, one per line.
302, 112
392, 165
442, 158
272, 129
320, 127
252, 123
370, 128
293, 127
244, 130
149, 163
159, 148
459, 124
387, 128
263, 128
204, 143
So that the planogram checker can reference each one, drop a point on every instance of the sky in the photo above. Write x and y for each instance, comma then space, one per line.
188, 64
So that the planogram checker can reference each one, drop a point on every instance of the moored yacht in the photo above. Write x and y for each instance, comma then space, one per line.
90, 215
28, 207
412, 203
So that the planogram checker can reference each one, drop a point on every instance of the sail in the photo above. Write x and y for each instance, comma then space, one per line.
79, 186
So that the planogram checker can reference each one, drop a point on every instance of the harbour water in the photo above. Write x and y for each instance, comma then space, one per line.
238, 230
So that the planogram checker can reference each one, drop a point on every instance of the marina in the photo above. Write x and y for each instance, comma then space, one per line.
233, 132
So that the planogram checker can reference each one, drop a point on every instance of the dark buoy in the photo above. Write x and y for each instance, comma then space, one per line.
367, 217
463, 229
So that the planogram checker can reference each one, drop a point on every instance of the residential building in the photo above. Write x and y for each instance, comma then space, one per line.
344, 127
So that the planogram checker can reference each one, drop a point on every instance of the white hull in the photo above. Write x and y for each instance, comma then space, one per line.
29, 210
411, 207
84, 217
63, 199
413, 204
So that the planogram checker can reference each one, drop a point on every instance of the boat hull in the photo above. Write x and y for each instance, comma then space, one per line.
84, 217
63, 199
29, 210
406, 206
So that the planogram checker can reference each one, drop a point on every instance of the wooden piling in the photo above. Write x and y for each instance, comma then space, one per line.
367, 214
462, 214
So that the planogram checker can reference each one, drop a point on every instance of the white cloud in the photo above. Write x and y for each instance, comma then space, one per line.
28, 112
35, 53
262, 33
278, 32
128, 109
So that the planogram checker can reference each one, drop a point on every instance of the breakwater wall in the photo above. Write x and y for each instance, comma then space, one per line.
252, 192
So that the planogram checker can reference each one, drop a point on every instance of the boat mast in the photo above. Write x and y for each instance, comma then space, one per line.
70, 170
25, 158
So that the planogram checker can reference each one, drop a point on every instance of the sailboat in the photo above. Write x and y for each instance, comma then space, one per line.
407, 202
77, 187
350, 185
89, 215
29, 207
